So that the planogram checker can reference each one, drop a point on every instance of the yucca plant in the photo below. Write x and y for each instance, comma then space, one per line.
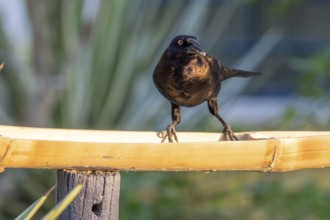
92, 68
55, 212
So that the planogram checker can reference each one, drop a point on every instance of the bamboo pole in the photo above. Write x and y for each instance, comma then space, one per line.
23, 147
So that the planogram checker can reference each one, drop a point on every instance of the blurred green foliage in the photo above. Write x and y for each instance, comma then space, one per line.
95, 72
279, 9
315, 78
313, 87
234, 195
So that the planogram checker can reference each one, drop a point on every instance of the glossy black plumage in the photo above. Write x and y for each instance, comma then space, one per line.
187, 76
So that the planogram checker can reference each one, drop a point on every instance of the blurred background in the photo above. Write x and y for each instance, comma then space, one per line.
88, 64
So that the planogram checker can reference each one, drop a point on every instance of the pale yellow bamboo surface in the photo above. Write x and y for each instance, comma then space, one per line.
44, 148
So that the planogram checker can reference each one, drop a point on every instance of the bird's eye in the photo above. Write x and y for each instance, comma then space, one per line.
180, 42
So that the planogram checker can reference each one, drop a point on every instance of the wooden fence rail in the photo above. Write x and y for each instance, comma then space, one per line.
22, 147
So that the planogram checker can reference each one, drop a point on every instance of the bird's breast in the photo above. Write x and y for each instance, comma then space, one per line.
185, 82
193, 69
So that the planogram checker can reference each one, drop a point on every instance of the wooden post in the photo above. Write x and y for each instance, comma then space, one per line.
98, 200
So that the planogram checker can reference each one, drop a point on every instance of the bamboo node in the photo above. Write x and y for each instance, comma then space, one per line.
4, 152
274, 157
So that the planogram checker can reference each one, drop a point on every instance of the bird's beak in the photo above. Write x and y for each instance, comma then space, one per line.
194, 47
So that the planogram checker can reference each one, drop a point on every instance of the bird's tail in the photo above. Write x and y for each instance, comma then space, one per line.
227, 73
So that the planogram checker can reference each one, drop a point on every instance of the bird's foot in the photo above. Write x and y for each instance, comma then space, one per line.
228, 135
169, 133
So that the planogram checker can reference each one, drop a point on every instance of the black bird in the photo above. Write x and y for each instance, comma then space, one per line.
187, 76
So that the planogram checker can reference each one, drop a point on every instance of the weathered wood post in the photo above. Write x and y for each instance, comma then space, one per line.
98, 200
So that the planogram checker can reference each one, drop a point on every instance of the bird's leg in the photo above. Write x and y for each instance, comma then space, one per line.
170, 131
227, 133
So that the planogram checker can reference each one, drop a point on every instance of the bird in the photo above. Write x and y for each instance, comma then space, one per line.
187, 76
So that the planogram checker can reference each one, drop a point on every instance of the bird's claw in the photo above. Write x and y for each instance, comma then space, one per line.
169, 133
228, 135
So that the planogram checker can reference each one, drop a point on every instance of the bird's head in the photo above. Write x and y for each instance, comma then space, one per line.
185, 44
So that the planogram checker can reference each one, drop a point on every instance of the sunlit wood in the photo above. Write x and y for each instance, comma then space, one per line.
44, 148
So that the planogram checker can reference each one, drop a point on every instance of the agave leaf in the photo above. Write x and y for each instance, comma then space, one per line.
59, 208
32, 209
